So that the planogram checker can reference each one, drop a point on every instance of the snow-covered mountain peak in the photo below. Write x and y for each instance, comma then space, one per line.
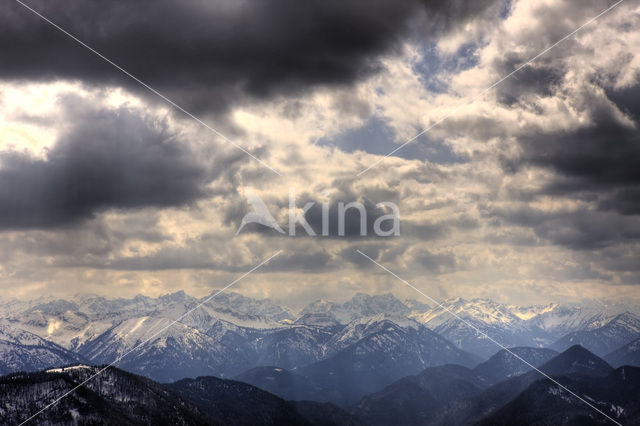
236, 303
529, 312
365, 305
628, 320
320, 306
365, 326
399, 320
360, 305
484, 310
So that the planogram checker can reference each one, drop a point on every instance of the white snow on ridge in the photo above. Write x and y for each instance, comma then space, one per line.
101, 328
63, 369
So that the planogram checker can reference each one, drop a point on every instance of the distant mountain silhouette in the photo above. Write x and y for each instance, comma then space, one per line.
454, 395
504, 364
616, 395
576, 360
628, 354
383, 352
413, 400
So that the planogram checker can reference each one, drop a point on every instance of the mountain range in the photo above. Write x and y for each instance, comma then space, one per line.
454, 395
334, 344
444, 395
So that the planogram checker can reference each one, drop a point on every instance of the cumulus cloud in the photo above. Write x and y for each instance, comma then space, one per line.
528, 193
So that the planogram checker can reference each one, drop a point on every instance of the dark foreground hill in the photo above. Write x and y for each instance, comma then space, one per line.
118, 397
617, 396
455, 395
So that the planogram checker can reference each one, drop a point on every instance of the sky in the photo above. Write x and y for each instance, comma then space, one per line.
526, 193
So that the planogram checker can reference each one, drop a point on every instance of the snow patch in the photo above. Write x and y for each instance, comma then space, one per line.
63, 369
53, 326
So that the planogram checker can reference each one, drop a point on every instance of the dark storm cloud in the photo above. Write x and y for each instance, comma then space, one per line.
623, 200
86, 245
427, 260
311, 261
380, 252
201, 254
439, 263
605, 153
578, 230
108, 159
627, 99
205, 54
539, 80
596, 163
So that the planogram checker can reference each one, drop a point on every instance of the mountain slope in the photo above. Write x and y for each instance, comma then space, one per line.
236, 402
621, 330
360, 305
24, 351
512, 326
544, 403
115, 397
325, 414
177, 352
290, 347
375, 352
573, 362
285, 384
500, 322
504, 365
629, 354
412, 400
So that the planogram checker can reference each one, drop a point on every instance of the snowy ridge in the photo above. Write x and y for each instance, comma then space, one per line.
360, 305
24, 351
232, 333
